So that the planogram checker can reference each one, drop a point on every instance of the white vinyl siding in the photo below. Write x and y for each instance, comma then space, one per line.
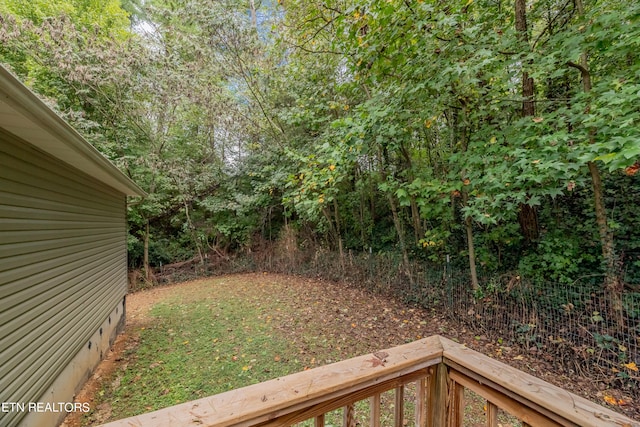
62, 267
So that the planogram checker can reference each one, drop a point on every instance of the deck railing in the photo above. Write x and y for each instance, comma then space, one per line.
424, 383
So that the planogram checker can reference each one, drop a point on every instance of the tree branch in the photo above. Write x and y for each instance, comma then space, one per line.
583, 70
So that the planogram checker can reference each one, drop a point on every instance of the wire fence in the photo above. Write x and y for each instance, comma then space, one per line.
576, 329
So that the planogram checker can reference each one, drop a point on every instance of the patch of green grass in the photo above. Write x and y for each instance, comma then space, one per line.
196, 349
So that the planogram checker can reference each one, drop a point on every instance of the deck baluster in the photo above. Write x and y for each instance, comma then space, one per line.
422, 399
399, 407
374, 403
349, 416
456, 404
492, 415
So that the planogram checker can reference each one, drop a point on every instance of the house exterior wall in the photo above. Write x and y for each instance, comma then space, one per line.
62, 278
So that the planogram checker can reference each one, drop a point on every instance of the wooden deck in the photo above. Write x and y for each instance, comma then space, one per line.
427, 377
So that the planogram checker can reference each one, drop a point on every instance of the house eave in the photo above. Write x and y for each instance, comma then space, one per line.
26, 116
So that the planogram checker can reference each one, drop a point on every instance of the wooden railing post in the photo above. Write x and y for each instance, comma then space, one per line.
446, 399
438, 396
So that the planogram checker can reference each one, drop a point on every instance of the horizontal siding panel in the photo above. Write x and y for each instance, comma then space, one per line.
17, 212
11, 237
13, 193
44, 183
32, 280
36, 332
17, 250
61, 204
30, 321
49, 285
15, 224
17, 181
17, 176
50, 357
21, 254
62, 267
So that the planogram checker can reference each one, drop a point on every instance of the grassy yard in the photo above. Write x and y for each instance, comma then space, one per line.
205, 337
190, 350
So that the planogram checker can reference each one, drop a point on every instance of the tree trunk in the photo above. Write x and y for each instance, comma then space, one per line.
612, 283
254, 16
528, 106
415, 212
396, 218
147, 270
398, 225
468, 222
472, 254
606, 237
418, 231
468, 225
527, 214
194, 235
336, 214
335, 237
